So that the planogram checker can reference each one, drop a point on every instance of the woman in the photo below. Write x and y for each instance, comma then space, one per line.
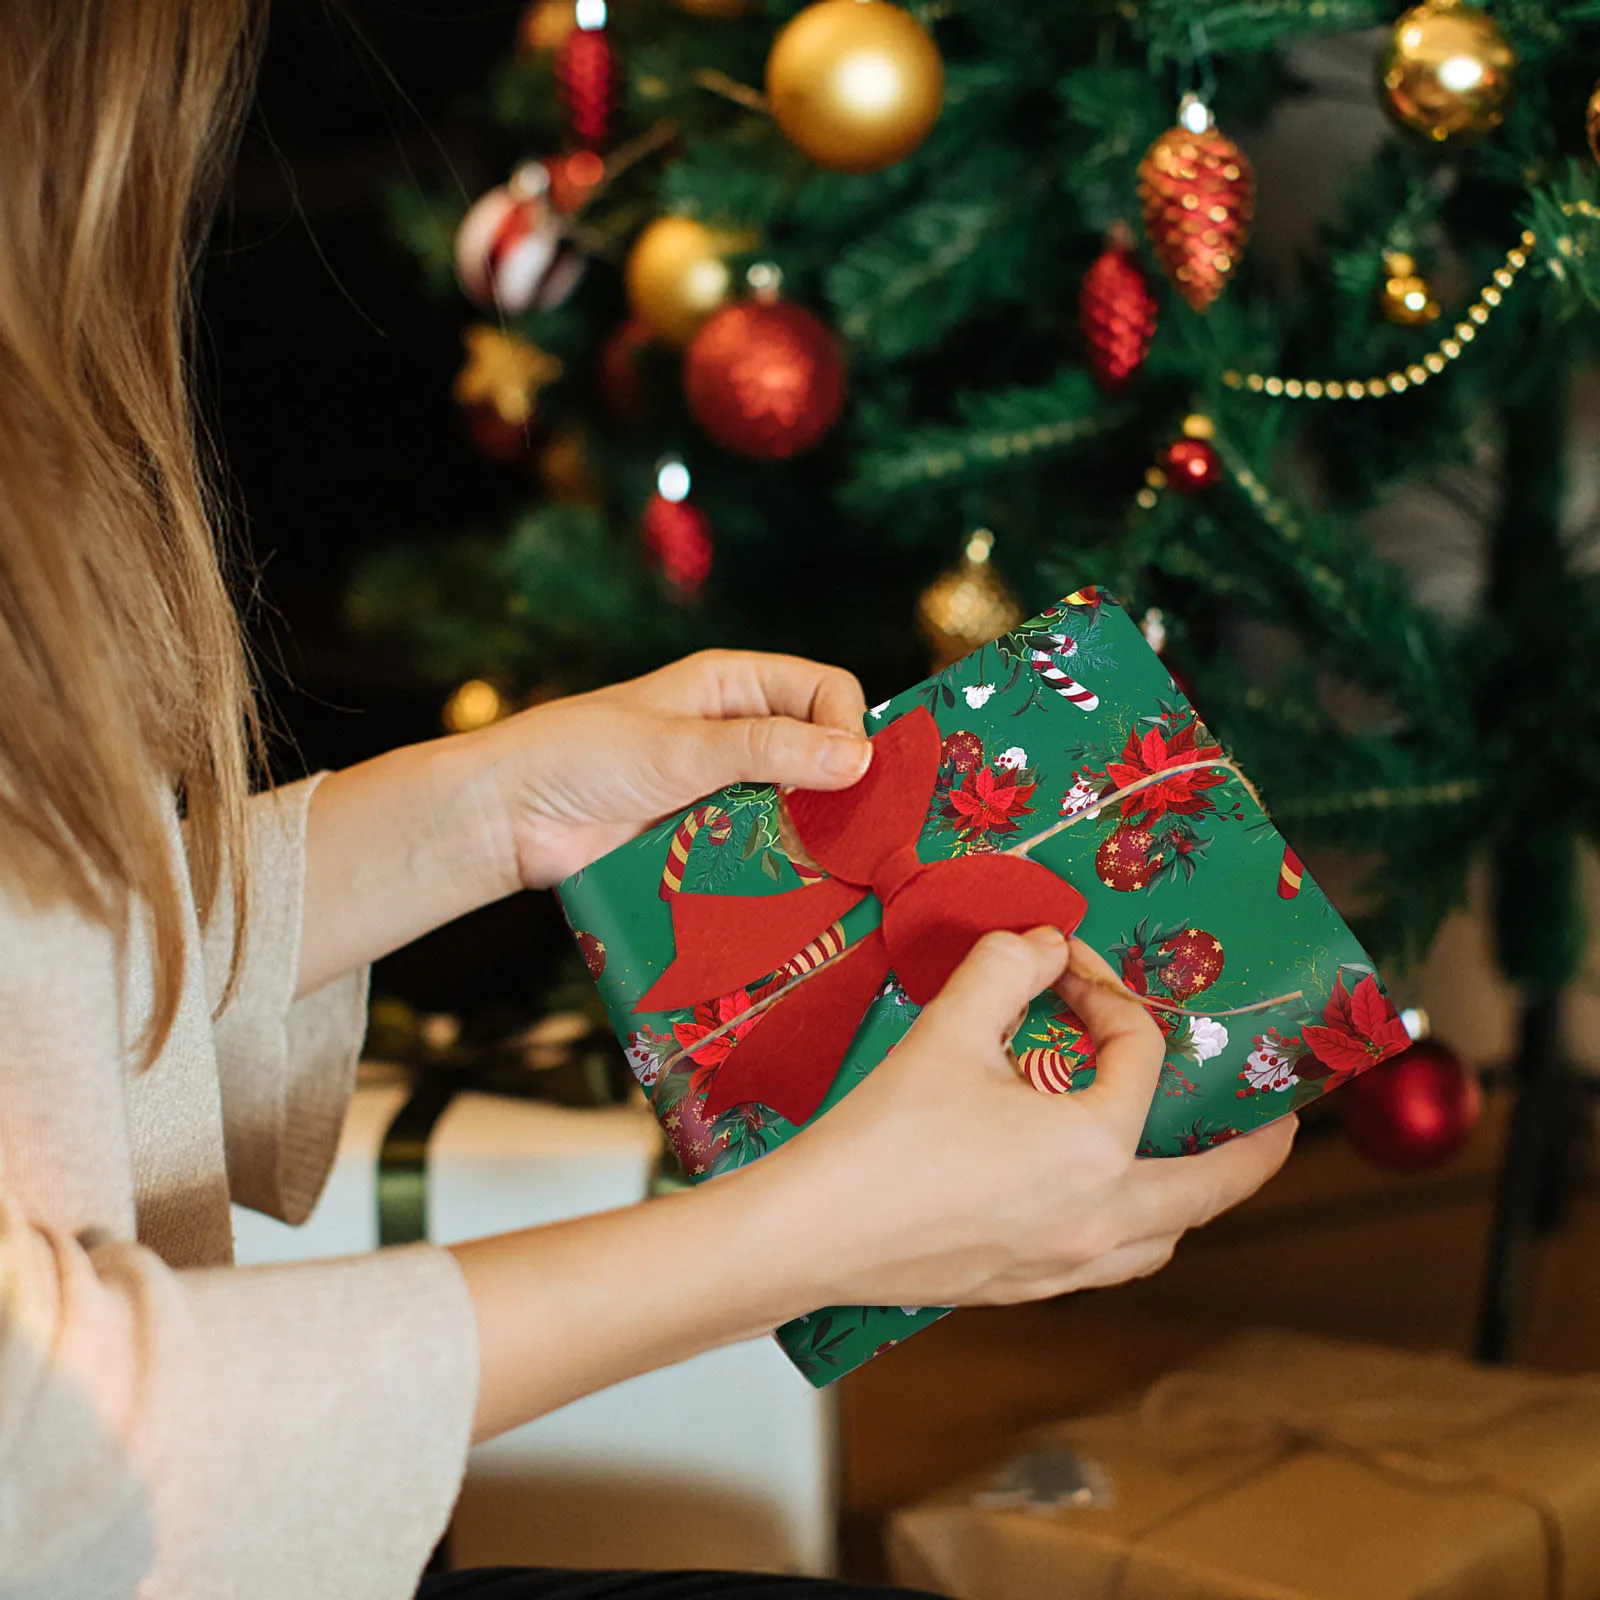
181, 1004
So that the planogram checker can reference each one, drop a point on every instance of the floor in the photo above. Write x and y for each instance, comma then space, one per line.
1332, 1246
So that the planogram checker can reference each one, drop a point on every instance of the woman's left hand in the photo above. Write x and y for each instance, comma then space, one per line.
572, 779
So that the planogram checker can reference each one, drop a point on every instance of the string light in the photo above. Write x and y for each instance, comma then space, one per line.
1415, 373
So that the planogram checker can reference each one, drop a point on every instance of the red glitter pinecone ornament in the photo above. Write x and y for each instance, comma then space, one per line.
586, 69
1117, 312
1198, 193
764, 378
677, 541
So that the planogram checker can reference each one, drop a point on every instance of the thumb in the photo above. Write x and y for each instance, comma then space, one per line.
781, 750
986, 995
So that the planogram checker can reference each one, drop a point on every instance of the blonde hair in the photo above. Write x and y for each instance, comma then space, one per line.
123, 680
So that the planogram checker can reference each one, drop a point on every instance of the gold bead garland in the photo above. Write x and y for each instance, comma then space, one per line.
1415, 373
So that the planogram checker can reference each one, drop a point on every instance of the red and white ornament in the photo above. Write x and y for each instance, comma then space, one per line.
586, 69
675, 534
512, 254
1198, 193
764, 378
1043, 662
1116, 313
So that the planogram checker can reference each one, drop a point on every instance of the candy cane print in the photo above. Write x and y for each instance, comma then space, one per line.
1290, 875
824, 947
721, 825
1043, 662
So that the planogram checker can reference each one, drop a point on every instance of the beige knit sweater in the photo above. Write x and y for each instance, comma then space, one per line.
173, 1427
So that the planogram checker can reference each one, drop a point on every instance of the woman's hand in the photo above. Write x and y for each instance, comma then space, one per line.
944, 1179
399, 845
576, 778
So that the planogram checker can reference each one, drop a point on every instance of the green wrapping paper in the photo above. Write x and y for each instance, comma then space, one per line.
1191, 892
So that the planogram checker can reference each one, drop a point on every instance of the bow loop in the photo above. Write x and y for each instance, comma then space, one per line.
865, 838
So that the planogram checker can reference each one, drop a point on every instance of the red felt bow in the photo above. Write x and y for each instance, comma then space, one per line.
933, 912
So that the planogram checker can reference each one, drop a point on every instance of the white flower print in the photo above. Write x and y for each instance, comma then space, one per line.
1208, 1037
878, 710
978, 694
1016, 758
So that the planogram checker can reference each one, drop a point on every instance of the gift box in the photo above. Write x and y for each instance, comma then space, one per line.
1285, 1467
760, 953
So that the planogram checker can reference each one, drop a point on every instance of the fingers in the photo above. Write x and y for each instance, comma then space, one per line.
979, 1006
748, 683
1163, 1198
760, 749
1128, 1045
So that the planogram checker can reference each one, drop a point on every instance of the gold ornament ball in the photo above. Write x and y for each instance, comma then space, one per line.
856, 84
545, 26
476, 704
967, 606
1591, 121
676, 275
1446, 71
1406, 298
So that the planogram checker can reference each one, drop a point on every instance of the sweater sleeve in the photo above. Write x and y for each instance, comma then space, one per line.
237, 1434
287, 1067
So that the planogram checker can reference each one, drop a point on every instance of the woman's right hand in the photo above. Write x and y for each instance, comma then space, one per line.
944, 1179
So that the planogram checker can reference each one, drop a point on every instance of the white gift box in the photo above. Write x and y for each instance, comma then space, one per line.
726, 1460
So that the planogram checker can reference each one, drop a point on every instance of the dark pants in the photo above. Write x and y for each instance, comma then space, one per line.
526, 1583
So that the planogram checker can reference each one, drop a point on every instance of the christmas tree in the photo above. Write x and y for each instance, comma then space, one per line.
784, 303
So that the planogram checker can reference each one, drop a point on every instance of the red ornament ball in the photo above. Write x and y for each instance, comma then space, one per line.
764, 379
1191, 465
963, 750
1413, 1111
677, 541
1117, 314
511, 254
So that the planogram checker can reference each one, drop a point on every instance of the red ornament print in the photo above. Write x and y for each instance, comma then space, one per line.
1128, 859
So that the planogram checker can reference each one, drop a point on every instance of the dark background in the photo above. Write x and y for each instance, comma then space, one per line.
326, 371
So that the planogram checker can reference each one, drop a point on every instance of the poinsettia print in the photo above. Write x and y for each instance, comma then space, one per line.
1359, 1028
991, 800
1270, 1066
707, 1019
1153, 752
